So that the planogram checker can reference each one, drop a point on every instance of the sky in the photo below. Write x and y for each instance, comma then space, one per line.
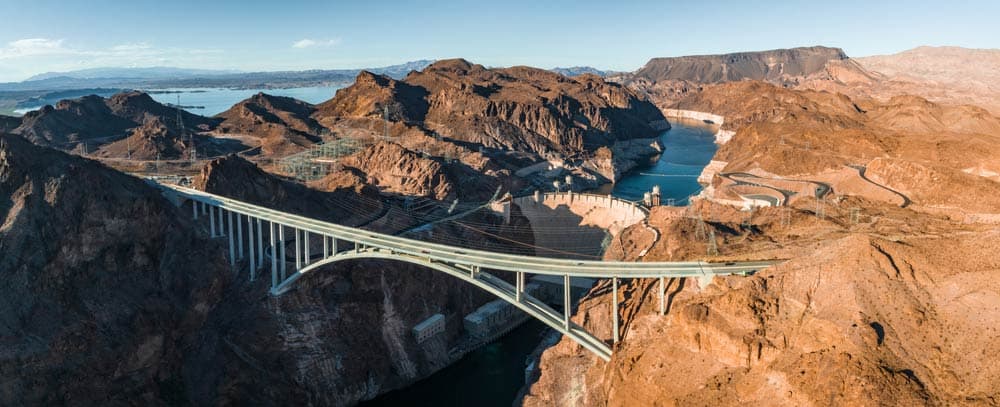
252, 35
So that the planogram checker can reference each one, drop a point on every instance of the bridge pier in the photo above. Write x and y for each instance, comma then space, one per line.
239, 234
260, 250
519, 286
566, 301
281, 245
305, 242
232, 243
614, 309
253, 258
298, 250
194, 209
274, 256
326, 246
211, 223
222, 221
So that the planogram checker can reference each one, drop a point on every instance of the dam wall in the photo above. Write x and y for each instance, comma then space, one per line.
574, 225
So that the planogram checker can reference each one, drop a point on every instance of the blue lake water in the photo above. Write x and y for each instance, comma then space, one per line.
216, 101
688, 148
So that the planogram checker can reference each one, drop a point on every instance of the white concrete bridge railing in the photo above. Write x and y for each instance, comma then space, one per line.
229, 217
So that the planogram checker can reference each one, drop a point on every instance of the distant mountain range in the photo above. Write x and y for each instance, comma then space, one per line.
166, 77
580, 70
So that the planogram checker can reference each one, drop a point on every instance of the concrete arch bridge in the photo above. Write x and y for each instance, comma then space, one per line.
229, 217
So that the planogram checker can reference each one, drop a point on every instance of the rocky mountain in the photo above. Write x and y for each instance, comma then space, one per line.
99, 121
520, 109
881, 300
667, 80
9, 123
105, 308
815, 134
580, 70
283, 125
782, 66
399, 170
942, 74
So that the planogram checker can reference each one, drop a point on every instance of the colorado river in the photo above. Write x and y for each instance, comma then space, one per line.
493, 374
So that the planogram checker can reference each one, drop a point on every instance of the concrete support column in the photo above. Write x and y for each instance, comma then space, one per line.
274, 256
298, 251
333, 245
232, 243
357, 247
211, 222
281, 247
222, 222
305, 244
194, 209
239, 234
260, 248
567, 307
663, 304
253, 258
326, 246
614, 308
519, 286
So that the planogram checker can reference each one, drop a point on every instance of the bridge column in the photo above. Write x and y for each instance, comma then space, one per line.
333, 245
519, 286
274, 256
253, 259
222, 222
614, 308
326, 246
194, 209
281, 246
260, 249
239, 234
232, 243
298, 251
663, 309
567, 308
305, 243
211, 222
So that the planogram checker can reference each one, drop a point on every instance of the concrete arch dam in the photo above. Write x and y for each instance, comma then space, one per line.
247, 226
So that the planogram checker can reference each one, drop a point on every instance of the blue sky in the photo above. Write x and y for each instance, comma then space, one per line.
46, 35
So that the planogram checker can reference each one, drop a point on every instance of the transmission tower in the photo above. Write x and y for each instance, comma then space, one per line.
180, 129
700, 232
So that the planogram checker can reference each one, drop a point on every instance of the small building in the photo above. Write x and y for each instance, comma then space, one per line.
486, 319
429, 328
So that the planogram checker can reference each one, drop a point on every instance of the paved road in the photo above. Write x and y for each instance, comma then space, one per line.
473, 257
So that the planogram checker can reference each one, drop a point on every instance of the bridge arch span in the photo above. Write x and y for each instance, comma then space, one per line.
470, 274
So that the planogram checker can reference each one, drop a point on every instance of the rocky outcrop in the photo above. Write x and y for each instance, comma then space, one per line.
99, 121
344, 203
951, 75
517, 109
283, 124
8, 123
909, 322
398, 170
780, 66
104, 298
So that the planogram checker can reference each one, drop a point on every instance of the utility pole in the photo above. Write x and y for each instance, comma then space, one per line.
180, 130
385, 120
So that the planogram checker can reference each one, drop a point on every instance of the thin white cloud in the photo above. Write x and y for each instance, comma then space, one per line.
32, 46
25, 57
311, 43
